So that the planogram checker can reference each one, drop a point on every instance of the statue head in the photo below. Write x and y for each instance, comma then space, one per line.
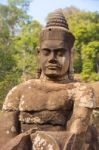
56, 42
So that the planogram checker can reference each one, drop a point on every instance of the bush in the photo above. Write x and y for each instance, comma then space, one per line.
90, 77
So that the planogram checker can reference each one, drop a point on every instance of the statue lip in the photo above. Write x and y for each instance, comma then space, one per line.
53, 66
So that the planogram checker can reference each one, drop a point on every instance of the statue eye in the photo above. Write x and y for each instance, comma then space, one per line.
61, 52
45, 52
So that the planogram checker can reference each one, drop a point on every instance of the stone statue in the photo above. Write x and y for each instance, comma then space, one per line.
52, 112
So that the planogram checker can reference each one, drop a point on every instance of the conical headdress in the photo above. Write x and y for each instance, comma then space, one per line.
57, 29
57, 19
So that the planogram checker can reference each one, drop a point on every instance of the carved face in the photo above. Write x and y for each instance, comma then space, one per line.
54, 58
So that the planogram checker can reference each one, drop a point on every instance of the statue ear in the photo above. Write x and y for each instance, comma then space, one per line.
38, 50
38, 74
71, 68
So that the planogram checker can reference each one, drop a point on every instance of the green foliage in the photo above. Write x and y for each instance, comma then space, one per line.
85, 27
77, 62
20, 3
13, 18
26, 44
18, 42
9, 80
89, 57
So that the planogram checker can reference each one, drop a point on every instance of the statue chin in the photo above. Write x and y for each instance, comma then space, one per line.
56, 77
53, 75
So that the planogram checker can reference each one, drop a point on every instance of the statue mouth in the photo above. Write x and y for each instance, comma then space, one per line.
53, 67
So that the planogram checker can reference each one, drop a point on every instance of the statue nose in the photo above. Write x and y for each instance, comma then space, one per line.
52, 57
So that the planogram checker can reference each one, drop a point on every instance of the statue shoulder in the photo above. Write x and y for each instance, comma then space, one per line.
84, 95
12, 99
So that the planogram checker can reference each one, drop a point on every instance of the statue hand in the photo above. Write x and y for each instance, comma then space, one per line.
74, 142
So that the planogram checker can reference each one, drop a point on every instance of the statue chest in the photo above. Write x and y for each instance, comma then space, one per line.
36, 99
44, 107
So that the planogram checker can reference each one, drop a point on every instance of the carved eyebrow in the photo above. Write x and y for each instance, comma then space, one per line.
56, 49
46, 49
61, 49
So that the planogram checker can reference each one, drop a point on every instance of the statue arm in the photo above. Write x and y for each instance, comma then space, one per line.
78, 127
9, 117
80, 120
84, 102
9, 126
